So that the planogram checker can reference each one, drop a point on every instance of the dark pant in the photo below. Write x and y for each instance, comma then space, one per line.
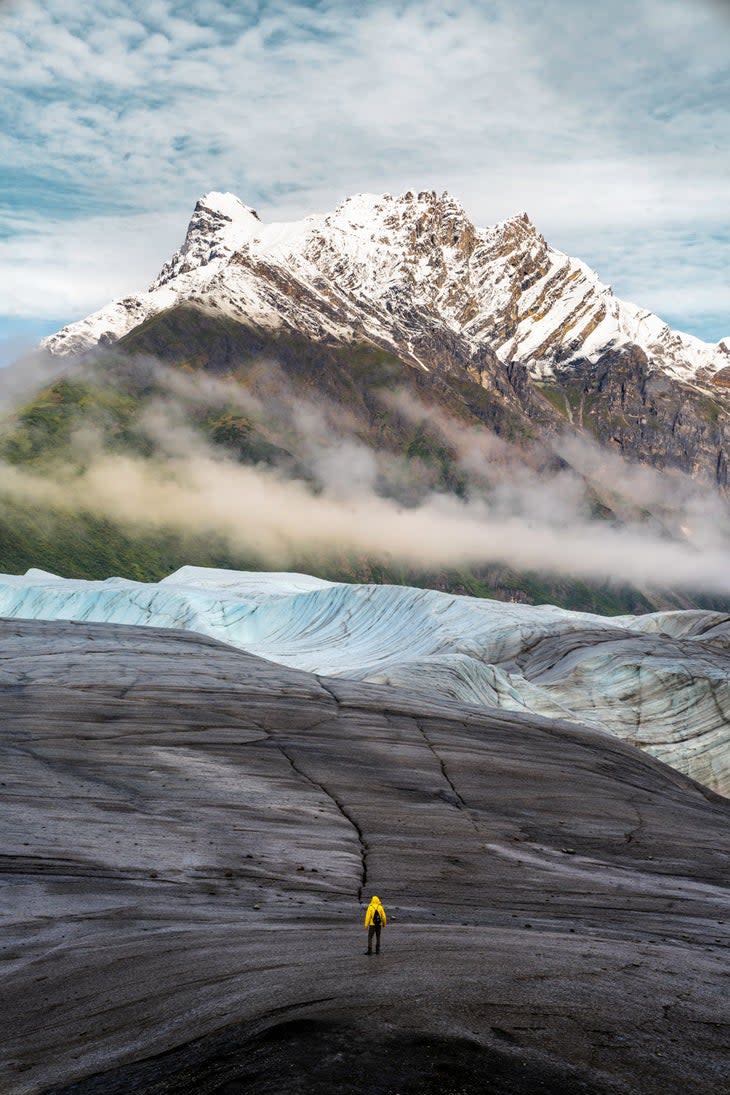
374, 930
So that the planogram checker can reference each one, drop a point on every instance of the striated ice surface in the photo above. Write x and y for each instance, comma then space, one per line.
660, 681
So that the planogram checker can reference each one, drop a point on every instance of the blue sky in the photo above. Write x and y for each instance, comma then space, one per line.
609, 124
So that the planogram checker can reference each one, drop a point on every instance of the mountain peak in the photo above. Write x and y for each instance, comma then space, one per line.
520, 223
225, 205
409, 204
219, 226
410, 272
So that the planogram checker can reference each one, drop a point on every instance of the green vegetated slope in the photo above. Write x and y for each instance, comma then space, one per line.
186, 378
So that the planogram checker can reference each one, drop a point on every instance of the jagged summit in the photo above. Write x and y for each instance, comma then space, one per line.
225, 204
222, 201
408, 272
220, 225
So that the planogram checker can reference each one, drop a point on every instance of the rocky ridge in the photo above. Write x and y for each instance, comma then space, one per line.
410, 273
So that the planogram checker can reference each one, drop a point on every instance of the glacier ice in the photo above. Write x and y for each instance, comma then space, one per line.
660, 681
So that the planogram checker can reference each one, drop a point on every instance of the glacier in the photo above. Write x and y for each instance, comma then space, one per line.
191, 835
658, 681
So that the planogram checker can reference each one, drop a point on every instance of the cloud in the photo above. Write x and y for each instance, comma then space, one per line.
25, 377
254, 509
529, 510
19, 337
693, 296
64, 268
589, 117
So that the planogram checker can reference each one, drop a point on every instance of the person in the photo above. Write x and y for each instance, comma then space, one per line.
375, 921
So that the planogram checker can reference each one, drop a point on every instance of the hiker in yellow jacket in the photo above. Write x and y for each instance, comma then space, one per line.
375, 919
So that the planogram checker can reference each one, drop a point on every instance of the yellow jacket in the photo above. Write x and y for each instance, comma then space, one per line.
375, 904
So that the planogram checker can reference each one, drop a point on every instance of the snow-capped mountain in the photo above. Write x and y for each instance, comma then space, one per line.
410, 273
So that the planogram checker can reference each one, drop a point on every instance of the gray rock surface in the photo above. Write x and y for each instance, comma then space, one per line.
190, 833
628, 405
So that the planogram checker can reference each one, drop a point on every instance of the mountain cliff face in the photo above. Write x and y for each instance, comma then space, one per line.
498, 307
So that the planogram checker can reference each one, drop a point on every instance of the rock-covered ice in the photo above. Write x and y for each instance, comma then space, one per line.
660, 681
191, 835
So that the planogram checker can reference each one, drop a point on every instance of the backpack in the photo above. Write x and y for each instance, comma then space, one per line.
377, 919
